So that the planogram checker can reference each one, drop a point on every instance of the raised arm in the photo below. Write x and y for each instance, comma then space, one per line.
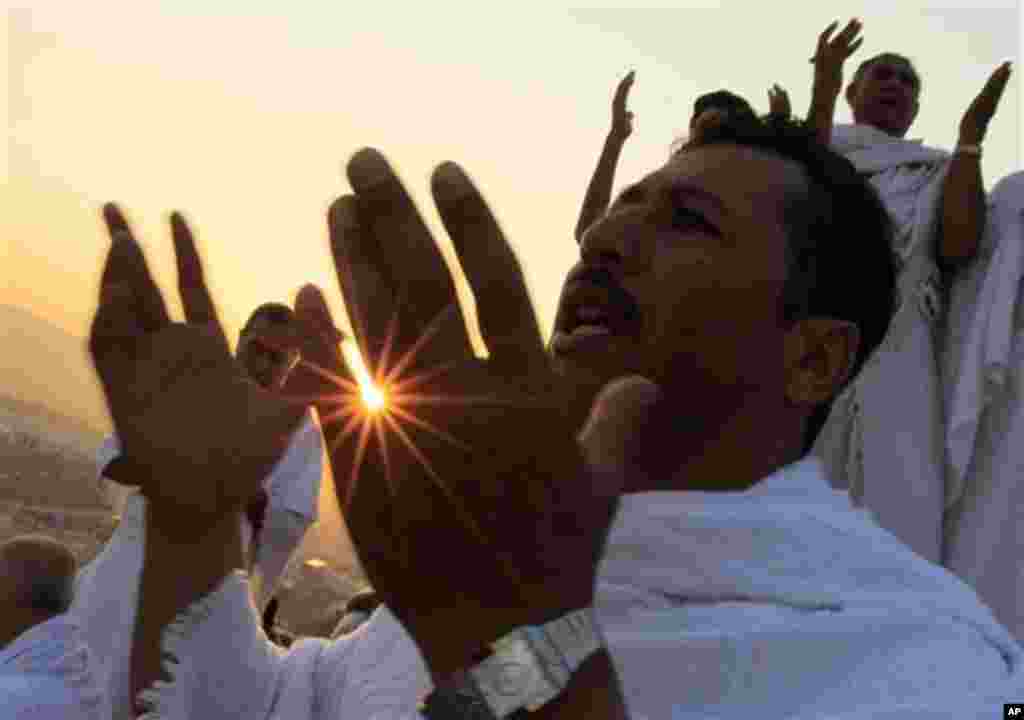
828, 61
599, 191
962, 219
184, 413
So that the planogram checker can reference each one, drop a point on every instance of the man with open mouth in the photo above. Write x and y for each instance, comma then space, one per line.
627, 526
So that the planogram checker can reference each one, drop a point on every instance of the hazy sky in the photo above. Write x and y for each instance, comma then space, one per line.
243, 117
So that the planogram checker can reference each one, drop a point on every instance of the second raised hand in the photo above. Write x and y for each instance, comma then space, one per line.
473, 459
831, 54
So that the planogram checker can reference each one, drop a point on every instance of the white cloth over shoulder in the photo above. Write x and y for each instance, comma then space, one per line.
48, 673
375, 672
984, 301
783, 601
779, 602
985, 522
106, 597
884, 440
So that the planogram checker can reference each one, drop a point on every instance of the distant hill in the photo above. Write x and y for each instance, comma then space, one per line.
42, 365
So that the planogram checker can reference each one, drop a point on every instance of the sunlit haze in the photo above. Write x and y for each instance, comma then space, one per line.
243, 116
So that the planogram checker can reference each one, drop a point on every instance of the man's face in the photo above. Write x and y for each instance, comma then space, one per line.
681, 281
886, 96
267, 366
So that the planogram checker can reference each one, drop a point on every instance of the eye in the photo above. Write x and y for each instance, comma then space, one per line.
683, 218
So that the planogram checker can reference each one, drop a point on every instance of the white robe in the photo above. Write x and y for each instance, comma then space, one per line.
884, 440
941, 410
782, 601
984, 521
48, 673
106, 595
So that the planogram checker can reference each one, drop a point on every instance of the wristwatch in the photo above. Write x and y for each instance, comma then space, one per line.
528, 668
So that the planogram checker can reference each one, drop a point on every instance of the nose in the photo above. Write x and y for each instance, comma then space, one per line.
619, 240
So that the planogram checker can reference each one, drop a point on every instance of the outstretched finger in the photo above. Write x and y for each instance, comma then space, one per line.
368, 290
854, 46
126, 268
850, 31
427, 306
507, 320
195, 295
826, 34
622, 91
998, 80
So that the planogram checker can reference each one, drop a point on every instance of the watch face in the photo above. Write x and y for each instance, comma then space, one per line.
512, 678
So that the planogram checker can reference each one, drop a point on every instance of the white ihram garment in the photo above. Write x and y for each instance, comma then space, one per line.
884, 440
106, 596
781, 601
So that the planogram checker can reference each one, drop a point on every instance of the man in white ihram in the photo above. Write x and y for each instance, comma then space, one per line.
272, 529
938, 407
734, 581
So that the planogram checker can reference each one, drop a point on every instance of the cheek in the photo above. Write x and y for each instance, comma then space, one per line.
715, 333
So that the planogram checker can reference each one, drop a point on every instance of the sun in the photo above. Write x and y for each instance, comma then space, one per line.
373, 397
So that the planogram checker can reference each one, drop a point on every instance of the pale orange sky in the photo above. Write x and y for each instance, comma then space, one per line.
244, 118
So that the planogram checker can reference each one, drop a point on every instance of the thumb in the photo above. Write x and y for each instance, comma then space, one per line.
618, 416
311, 308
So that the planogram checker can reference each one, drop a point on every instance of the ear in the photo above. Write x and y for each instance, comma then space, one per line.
819, 354
851, 94
917, 106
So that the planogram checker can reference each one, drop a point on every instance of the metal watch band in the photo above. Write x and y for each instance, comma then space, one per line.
458, 699
530, 667
575, 635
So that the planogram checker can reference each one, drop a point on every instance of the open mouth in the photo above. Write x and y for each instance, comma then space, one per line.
595, 311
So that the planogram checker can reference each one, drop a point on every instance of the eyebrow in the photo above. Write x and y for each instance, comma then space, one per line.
677, 191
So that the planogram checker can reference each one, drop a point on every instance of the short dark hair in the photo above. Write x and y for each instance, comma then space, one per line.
864, 66
44, 569
722, 100
840, 258
276, 313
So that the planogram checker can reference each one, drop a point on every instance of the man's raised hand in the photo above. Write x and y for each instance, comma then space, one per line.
204, 435
974, 124
622, 119
831, 53
778, 102
470, 505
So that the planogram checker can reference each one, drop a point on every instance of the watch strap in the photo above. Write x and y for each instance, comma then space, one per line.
575, 636
529, 667
458, 699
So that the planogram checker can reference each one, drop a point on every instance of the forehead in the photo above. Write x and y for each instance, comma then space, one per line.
892, 63
751, 184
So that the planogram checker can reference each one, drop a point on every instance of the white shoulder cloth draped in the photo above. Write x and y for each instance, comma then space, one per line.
49, 673
107, 589
902, 419
884, 438
984, 375
779, 602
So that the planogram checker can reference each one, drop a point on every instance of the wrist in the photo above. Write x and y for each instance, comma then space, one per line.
531, 667
616, 139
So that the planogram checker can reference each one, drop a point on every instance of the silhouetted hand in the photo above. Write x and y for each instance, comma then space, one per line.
622, 119
832, 53
473, 507
778, 102
202, 435
975, 121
